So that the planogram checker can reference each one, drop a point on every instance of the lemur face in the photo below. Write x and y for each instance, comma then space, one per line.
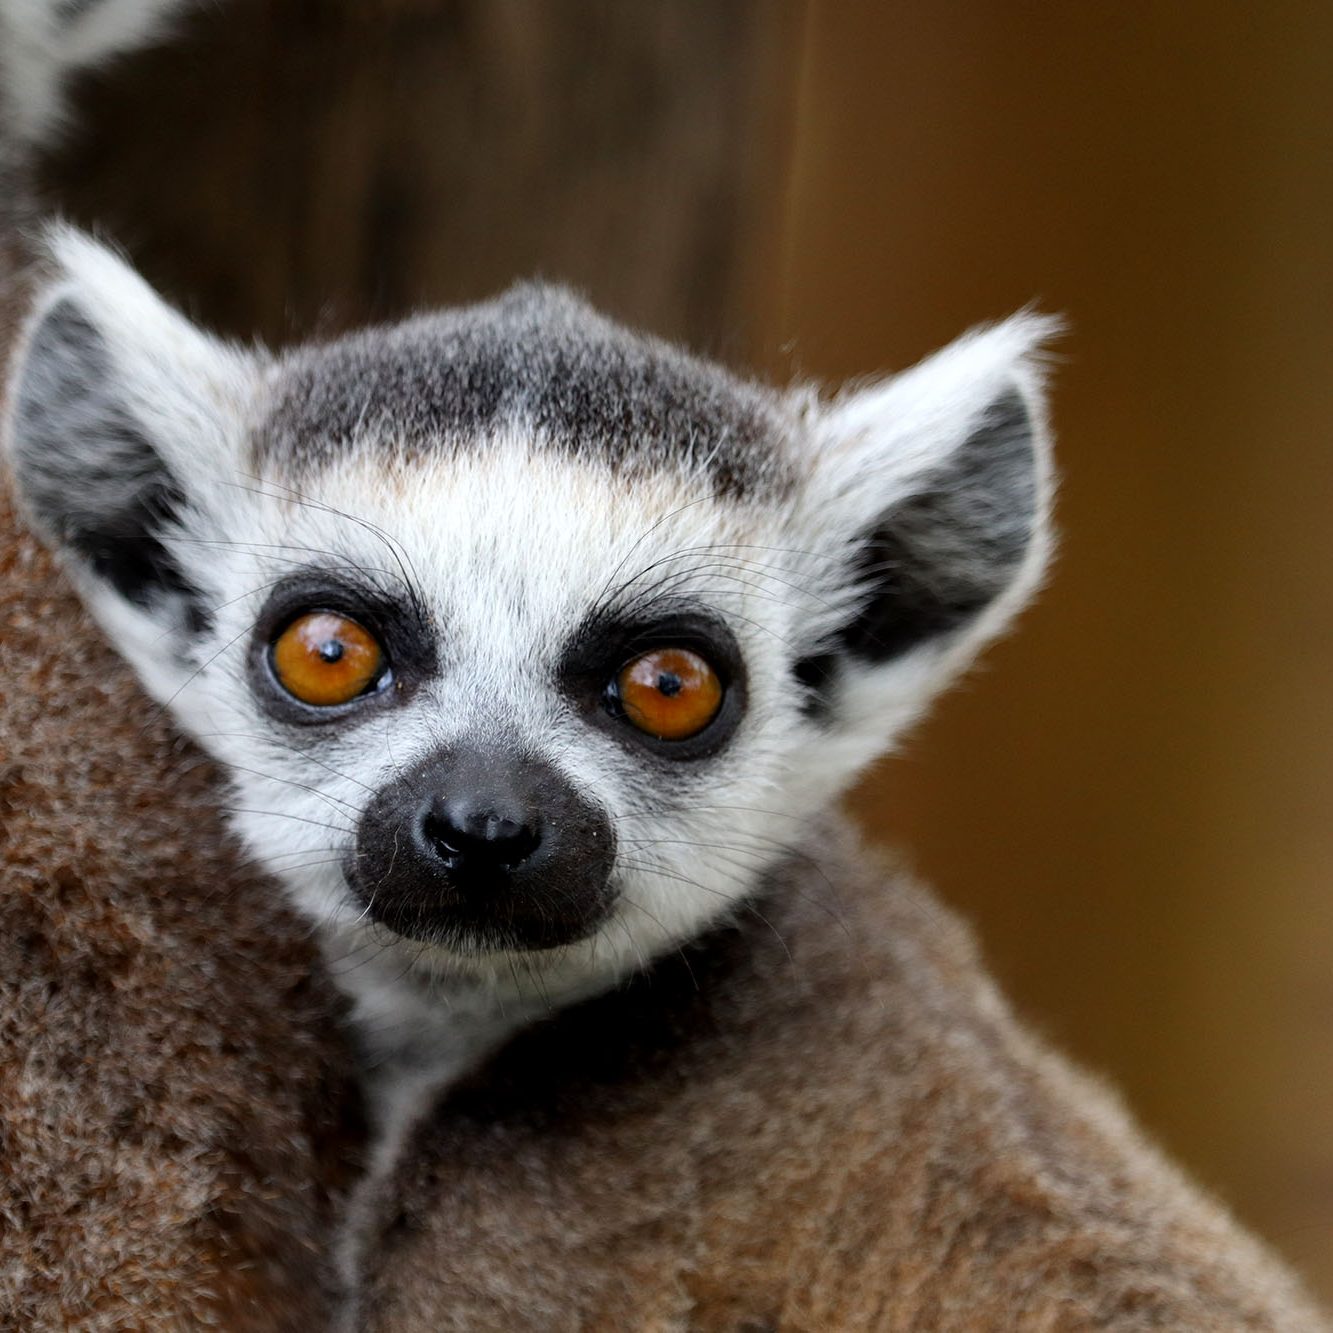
572, 685
526, 642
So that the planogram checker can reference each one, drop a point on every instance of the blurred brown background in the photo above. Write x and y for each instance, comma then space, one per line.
1132, 799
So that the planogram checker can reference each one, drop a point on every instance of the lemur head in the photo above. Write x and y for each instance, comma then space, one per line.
525, 640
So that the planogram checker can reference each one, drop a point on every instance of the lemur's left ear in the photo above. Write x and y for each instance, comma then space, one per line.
121, 416
930, 492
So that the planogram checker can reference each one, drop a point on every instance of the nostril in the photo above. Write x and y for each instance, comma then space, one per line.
440, 836
465, 836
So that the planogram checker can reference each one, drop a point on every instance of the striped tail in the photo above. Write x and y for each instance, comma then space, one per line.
42, 43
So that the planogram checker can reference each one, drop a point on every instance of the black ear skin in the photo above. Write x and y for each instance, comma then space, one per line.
941, 556
87, 469
938, 558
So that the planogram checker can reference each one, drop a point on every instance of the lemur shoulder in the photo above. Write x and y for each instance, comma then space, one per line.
536, 653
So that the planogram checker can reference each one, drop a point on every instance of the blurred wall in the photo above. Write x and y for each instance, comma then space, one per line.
292, 167
1132, 797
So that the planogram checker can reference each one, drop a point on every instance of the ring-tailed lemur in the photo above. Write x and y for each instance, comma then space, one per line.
536, 650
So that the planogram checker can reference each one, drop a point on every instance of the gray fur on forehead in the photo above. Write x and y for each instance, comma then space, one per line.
539, 359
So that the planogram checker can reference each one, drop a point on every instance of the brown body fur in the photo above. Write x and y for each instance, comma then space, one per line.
818, 1120
171, 1075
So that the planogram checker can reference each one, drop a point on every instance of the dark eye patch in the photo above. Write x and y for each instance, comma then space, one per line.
604, 645
396, 619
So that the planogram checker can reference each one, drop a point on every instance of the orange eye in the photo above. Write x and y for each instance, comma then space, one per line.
325, 659
669, 693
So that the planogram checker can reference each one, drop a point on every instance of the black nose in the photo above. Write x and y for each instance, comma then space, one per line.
479, 835
481, 849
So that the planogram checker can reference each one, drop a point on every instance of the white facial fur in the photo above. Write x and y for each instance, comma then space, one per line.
507, 544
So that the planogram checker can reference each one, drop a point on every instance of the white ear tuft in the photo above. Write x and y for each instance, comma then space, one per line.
876, 439
931, 491
183, 385
120, 413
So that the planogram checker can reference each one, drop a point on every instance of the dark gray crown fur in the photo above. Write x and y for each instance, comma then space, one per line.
537, 358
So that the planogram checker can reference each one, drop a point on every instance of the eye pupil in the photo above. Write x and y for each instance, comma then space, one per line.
670, 684
330, 651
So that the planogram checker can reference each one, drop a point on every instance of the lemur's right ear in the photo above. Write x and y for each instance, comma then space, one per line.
929, 496
122, 417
